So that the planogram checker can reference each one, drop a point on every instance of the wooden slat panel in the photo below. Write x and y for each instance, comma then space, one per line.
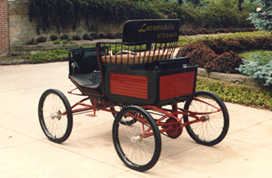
176, 85
129, 85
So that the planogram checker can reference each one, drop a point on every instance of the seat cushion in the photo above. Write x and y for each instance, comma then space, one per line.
137, 58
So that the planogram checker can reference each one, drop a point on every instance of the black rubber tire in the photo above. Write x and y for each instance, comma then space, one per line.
126, 139
55, 126
199, 130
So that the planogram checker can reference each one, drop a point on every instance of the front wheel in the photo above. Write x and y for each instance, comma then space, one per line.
55, 115
215, 126
138, 145
125, 122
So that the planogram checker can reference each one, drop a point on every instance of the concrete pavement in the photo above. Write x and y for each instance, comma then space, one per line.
89, 152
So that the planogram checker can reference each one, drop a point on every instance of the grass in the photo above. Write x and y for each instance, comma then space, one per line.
247, 54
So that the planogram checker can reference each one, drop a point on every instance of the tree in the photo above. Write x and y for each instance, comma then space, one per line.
195, 2
240, 5
262, 20
180, 1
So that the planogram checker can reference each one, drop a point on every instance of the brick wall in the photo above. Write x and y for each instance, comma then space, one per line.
4, 27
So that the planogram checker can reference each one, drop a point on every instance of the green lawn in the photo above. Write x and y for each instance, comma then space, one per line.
247, 54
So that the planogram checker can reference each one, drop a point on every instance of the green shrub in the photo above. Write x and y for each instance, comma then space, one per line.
94, 35
220, 55
65, 41
244, 36
53, 37
262, 20
186, 15
68, 13
227, 62
56, 42
222, 17
76, 37
41, 39
198, 53
31, 42
87, 37
234, 45
260, 68
212, 57
48, 56
217, 45
64, 37
236, 93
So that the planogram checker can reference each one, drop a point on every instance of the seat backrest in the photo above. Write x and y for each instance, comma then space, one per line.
85, 59
151, 31
144, 41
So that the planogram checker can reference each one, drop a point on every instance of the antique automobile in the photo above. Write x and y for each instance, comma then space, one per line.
148, 91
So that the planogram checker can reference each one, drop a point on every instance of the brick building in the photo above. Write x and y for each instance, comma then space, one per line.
4, 27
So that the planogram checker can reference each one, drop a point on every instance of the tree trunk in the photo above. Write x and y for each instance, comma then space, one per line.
196, 2
180, 2
240, 5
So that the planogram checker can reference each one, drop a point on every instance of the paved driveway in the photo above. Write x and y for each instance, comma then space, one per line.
89, 152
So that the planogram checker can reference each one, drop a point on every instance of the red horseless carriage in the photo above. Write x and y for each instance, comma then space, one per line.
147, 92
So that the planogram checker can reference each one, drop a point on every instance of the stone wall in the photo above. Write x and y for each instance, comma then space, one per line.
4, 28
22, 30
20, 27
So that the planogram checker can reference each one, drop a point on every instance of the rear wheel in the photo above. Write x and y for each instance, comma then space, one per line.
216, 123
55, 115
138, 145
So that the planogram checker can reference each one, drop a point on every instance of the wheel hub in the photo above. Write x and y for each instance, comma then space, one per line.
175, 129
136, 138
205, 118
56, 115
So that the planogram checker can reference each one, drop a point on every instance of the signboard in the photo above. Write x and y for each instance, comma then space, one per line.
159, 31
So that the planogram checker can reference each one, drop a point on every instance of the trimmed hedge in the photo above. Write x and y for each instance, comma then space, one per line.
221, 55
186, 32
203, 56
225, 63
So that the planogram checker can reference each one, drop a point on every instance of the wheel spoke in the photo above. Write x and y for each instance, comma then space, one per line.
56, 127
137, 152
214, 128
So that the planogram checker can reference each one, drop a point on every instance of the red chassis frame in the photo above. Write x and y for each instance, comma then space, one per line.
164, 113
